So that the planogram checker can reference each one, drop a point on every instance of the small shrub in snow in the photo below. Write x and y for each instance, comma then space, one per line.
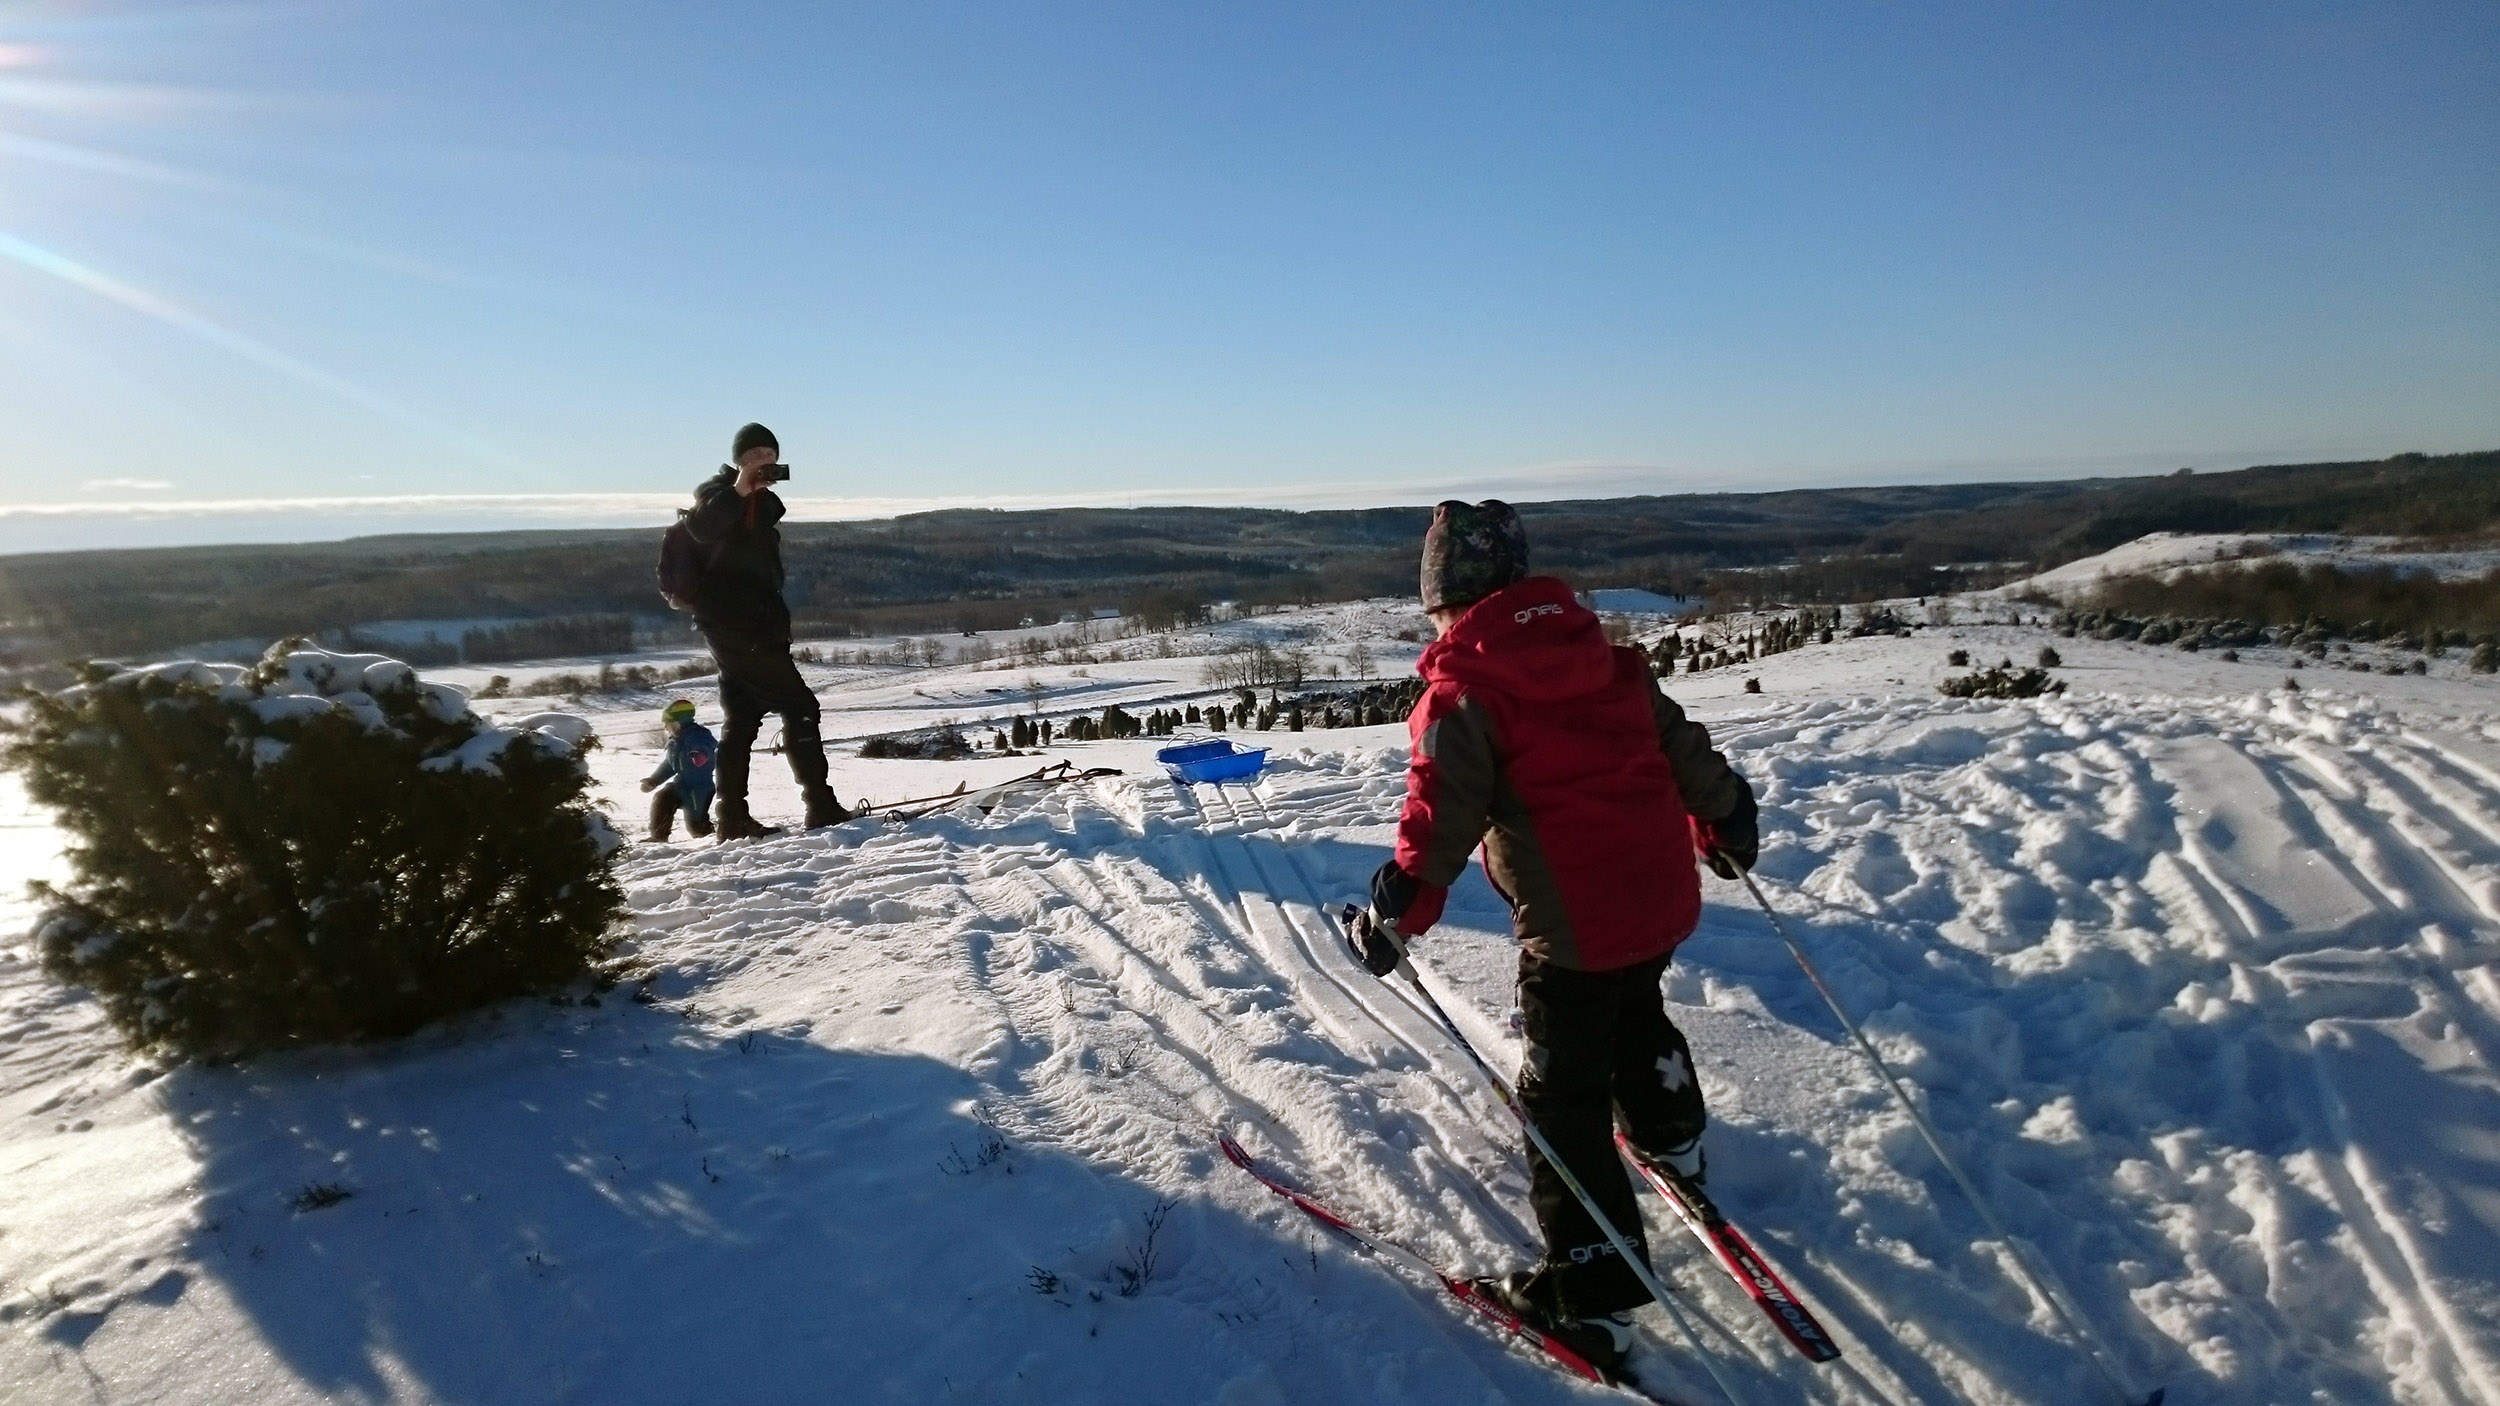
1958, 659
2049, 658
319, 1196
2001, 682
1145, 1256
991, 1146
319, 848
943, 743
2485, 659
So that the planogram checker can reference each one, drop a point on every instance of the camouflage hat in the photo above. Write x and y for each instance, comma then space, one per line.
681, 711
1471, 551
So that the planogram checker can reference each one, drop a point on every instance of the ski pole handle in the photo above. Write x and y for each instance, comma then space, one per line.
1360, 926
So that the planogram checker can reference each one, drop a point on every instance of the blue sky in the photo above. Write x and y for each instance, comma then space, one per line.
298, 269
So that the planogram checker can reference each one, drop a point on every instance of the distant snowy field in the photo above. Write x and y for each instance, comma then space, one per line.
2199, 975
2166, 554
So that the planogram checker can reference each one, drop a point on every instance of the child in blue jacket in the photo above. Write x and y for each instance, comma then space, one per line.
684, 776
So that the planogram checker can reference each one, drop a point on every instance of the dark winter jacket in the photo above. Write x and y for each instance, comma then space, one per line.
1581, 779
689, 760
740, 598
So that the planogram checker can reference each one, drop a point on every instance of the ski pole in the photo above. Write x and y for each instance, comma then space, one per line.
2094, 1350
1632, 1258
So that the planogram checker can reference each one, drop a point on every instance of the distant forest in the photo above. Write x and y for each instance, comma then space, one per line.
978, 570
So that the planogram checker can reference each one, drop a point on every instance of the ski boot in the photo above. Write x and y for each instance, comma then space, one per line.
1683, 1161
1603, 1340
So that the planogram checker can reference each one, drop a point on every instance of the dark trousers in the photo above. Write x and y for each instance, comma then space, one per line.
672, 798
1600, 1049
757, 677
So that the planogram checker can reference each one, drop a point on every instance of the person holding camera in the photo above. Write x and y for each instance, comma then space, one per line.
740, 612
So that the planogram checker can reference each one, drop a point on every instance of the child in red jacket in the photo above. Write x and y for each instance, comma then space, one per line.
1591, 794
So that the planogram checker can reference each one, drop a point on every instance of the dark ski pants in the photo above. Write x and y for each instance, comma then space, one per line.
1599, 1049
757, 677
674, 797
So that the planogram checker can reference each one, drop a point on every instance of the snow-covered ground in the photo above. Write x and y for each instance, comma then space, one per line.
2166, 554
2199, 975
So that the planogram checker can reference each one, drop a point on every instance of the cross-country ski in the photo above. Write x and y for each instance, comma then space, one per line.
1734, 1253
1465, 1291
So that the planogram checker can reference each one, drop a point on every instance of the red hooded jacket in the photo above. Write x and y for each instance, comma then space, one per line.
1580, 777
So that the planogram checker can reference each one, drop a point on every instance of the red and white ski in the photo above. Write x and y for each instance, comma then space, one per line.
1738, 1257
1416, 1266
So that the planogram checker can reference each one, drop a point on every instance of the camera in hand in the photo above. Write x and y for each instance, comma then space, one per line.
774, 473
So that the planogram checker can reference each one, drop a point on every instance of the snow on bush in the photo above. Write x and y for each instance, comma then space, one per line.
322, 847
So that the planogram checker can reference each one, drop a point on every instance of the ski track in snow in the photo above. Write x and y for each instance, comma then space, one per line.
2204, 991
2224, 939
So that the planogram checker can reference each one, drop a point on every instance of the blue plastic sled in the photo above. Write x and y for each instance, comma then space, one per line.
1212, 760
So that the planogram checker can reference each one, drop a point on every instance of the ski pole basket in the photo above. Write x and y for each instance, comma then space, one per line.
1211, 760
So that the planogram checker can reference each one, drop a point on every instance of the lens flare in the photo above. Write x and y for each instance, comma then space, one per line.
147, 304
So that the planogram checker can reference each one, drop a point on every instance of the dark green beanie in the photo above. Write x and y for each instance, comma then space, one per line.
1471, 551
749, 437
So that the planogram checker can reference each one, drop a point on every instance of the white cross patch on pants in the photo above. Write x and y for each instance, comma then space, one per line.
1673, 1073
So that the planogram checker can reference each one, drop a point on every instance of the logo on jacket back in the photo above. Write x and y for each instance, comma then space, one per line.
1532, 612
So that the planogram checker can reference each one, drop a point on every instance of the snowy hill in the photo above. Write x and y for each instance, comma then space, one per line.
2166, 554
2200, 977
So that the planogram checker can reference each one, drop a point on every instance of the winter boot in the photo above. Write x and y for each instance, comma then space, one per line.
824, 808
735, 823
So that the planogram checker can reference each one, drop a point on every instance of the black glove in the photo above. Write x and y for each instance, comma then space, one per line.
1393, 891
1372, 944
1731, 844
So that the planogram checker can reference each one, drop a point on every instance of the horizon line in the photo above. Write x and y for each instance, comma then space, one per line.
347, 517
